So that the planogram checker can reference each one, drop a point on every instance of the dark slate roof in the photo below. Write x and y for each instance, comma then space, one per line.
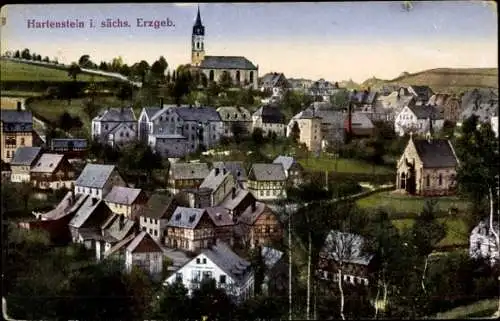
435, 153
122, 195
271, 79
143, 243
425, 111
270, 114
215, 178
25, 155
158, 206
114, 231
349, 245
15, 116
286, 161
234, 167
220, 216
234, 114
249, 216
421, 90
94, 175
186, 217
227, 62
87, 210
200, 114
63, 143
117, 115
268, 172
364, 97
189, 170
237, 268
47, 163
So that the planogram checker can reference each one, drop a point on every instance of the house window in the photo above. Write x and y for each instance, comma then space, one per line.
204, 261
211, 75
197, 261
156, 232
22, 141
8, 154
440, 179
222, 279
427, 181
178, 276
150, 231
151, 220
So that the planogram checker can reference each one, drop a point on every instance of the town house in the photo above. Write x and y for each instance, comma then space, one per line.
417, 119
224, 224
258, 225
16, 131
97, 180
427, 167
309, 129
125, 201
236, 120
52, 171
186, 175
361, 125
114, 230
115, 126
294, 172
270, 119
221, 182
267, 181
273, 83
154, 216
230, 272
344, 253
22, 162
237, 169
85, 226
190, 229
139, 250
237, 201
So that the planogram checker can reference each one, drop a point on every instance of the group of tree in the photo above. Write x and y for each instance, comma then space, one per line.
26, 54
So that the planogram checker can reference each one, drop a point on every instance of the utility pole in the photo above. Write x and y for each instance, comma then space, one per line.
289, 264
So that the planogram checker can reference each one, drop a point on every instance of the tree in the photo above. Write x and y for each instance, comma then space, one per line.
90, 108
17, 54
46, 59
209, 301
260, 268
116, 64
103, 66
74, 70
158, 68
258, 136
427, 232
25, 54
140, 70
125, 70
173, 302
125, 92
238, 131
477, 149
295, 134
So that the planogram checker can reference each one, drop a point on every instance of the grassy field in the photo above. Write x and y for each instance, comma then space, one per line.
343, 165
456, 230
409, 204
483, 308
19, 71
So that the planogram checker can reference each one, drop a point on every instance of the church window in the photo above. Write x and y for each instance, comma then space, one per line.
238, 76
197, 45
251, 76
440, 179
211, 75
427, 180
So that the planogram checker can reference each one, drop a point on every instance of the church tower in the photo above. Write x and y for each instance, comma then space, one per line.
197, 42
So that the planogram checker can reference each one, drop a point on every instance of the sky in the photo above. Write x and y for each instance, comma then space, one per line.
334, 41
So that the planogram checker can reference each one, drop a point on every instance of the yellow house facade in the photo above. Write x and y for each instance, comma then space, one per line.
16, 131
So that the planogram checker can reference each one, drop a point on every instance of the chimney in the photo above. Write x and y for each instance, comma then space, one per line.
161, 102
233, 193
254, 206
217, 171
19, 106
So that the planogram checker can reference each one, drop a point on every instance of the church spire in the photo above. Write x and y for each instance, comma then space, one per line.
198, 28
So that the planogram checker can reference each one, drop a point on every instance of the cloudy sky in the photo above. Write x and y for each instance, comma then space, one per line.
335, 41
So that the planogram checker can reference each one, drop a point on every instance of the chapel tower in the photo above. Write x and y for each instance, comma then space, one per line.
197, 42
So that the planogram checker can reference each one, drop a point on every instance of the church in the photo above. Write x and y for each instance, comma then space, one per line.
240, 69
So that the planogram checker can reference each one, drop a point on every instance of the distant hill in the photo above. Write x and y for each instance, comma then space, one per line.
24, 71
451, 80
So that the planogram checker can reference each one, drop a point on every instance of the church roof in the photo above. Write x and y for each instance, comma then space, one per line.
227, 62
198, 28
435, 153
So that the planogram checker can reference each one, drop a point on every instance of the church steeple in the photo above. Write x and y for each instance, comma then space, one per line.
197, 41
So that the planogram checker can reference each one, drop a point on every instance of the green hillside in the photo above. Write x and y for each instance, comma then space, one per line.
452, 80
19, 71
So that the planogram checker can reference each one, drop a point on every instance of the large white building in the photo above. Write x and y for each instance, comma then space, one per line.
230, 272
115, 126
174, 131
416, 119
